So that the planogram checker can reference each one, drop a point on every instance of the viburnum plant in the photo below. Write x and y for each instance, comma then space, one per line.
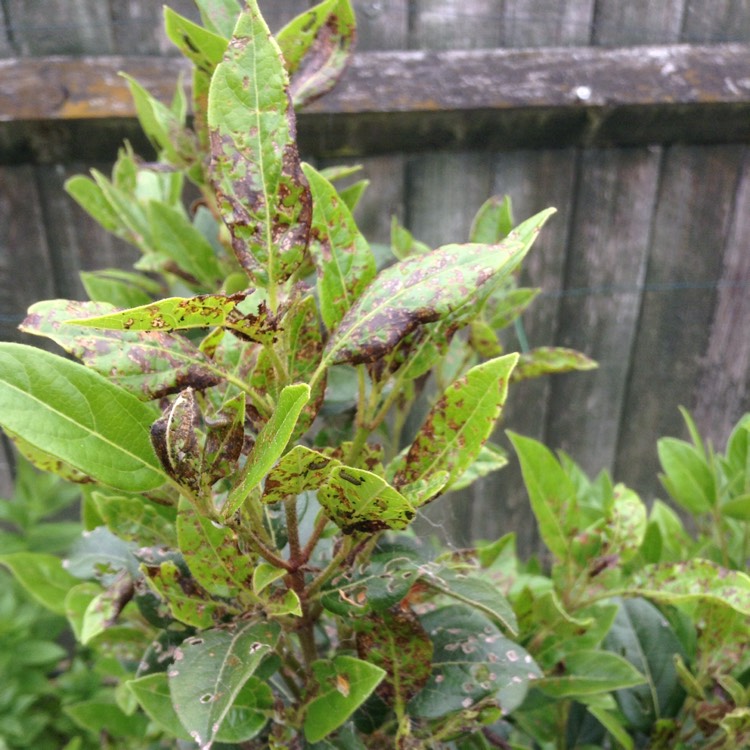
239, 422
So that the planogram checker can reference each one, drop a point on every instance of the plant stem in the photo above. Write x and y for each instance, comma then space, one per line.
330, 569
317, 531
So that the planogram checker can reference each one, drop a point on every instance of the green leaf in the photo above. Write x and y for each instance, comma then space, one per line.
183, 313
551, 492
118, 288
643, 636
264, 575
490, 458
175, 237
270, 443
136, 519
43, 576
687, 476
343, 685
472, 661
219, 16
691, 581
550, 359
425, 289
209, 672
255, 168
99, 716
591, 672
91, 198
78, 416
493, 222
460, 422
626, 528
505, 307
160, 124
737, 507
359, 500
212, 553
316, 47
153, 695
403, 243
342, 256
149, 364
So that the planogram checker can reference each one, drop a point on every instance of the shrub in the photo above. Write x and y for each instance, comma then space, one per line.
249, 573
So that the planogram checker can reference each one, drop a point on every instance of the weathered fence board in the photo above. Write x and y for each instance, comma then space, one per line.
691, 227
637, 21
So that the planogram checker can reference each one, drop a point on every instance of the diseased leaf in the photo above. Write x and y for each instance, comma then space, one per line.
182, 313
209, 672
212, 553
44, 461
203, 47
627, 526
175, 440
397, 643
458, 425
358, 500
472, 661
343, 686
136, 519
188, 602
299, 470
148, 364
425, 289
79, 416
225, 435
270, 444
694, 580
255, 169
316, 47
550, 359
342, 256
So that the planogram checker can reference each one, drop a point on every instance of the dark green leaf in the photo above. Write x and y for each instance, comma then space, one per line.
78, 416
343, 684
472, 660
643, 636
99, 716
209, 672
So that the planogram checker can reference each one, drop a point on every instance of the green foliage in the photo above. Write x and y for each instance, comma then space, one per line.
236, 418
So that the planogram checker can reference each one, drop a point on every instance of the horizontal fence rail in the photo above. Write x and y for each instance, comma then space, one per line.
427, 99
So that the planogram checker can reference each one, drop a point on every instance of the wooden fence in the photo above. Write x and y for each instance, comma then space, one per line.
631, 117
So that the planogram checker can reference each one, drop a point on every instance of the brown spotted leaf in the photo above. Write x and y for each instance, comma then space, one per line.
299, 470
255, 168
425, 289
175, 441
358, 500
149, 365
225, 436
183, 313
459, 424
396, 642
345, 265
317, 46
550, 359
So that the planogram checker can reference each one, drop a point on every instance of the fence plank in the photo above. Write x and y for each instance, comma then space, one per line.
691, 227
716, 21
535, 180
26, 271
723, 392
606, 265
547, 23
637, 21
59, 27
138, 26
